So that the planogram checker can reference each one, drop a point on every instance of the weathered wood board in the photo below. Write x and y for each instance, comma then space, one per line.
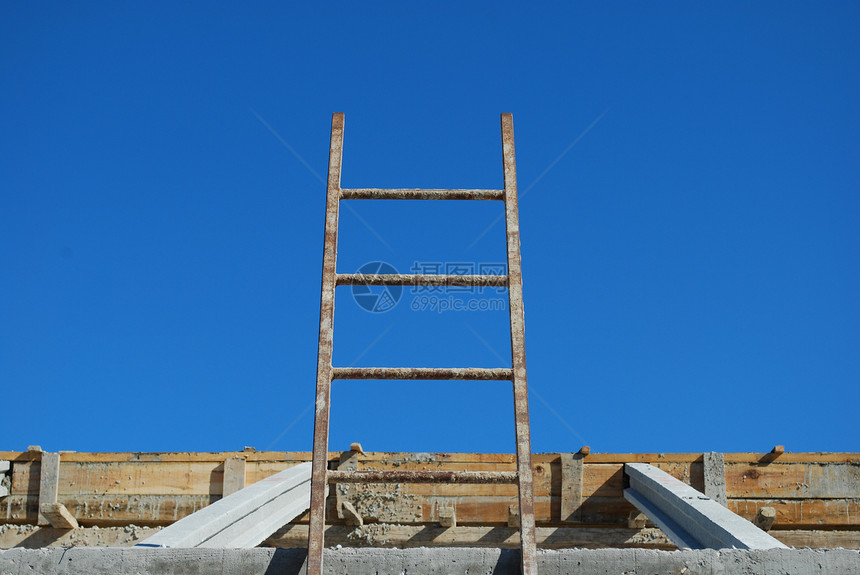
812, 493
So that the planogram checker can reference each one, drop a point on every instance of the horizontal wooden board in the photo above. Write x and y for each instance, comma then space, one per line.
156, 489
300, 456
120, 509
818, 538
793, 480
809, 513
401, 536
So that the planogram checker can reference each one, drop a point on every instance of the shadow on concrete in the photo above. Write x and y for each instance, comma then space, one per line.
43, 537
287, 562
509, 562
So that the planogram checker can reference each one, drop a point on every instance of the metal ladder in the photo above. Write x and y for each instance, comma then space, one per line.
321, 475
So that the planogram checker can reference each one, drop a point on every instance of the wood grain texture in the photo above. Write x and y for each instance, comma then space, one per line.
807, 490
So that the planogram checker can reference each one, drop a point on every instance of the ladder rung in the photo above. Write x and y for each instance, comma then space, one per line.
458, 373
417, 194
421, 280
422, 476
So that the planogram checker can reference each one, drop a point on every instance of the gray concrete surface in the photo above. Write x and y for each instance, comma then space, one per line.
689, 518
245, 518
425, 561
714, 465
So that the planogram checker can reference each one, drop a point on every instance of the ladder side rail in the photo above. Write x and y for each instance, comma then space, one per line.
518, 353
316, 529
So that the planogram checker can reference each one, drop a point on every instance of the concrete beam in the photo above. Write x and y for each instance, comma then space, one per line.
58, 516
689, 518
352, 561
234, 476
715, 477
245, 518
4, 487
49, 478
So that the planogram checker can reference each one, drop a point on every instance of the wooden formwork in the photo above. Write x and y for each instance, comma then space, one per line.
815, 497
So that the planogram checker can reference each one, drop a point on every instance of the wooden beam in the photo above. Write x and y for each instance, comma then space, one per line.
818, 538
793, 480
157, 489
302, 456
402, 536
296, 536
803, 513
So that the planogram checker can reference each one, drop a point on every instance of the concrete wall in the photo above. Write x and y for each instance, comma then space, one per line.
426, 561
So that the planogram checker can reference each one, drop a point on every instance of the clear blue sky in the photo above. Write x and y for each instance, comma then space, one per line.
690, 198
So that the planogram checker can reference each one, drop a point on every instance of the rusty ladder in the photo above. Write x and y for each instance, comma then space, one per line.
321, 475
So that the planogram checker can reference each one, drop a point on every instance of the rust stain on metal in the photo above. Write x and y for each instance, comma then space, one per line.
487, 477
323, 394
517, 374
416, 194
518, 352
456, 373
422, 280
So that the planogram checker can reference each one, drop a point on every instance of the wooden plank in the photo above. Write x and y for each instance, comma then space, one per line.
133, 457
599, 479
295, 535
301, 456
106, 510
259, 470
607, 479
793, 480
822, 457
164, 478
25, 478
401, 536
118, 489
30, 537
387, 456
818, 538
808, 513
117, 509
